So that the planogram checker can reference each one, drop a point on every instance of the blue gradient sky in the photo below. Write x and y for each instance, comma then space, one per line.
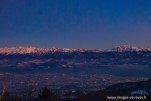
88, 24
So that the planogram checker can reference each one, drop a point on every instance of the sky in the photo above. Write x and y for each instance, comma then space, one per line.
91, 24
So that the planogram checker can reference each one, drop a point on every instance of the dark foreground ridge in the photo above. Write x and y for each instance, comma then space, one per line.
130, 91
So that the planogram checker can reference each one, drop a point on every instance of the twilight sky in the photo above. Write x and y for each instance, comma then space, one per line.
89, 24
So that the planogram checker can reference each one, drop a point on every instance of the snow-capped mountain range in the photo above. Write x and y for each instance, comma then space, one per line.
26, 50
129, 48
125, 48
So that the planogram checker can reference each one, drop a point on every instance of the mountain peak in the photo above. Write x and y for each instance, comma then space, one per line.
126, 48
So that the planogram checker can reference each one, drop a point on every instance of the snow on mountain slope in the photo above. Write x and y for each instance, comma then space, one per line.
27, 50
126, 48
148, 49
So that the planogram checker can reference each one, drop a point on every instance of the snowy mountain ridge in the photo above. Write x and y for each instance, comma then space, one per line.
125, 48
129, 48
27, 50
